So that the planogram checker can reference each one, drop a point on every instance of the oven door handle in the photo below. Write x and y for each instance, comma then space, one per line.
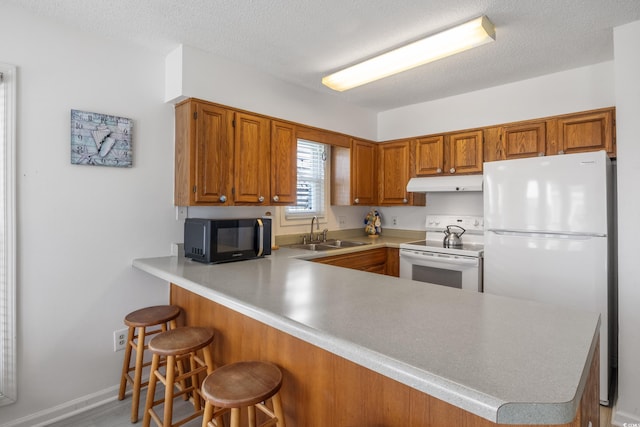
427, 257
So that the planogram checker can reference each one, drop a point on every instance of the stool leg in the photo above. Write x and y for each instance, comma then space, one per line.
195, 382
277, 409
207, 415
251, 411
135, 403
235, 417
125, 365
151, 390
168, 392
208, 359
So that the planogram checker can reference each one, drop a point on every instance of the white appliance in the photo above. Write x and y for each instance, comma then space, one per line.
431, 262
548, 236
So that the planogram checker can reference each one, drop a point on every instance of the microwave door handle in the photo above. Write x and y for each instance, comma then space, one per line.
260, 237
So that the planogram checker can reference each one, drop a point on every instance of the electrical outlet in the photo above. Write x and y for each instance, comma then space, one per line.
394, 220
342, 221
181, 213
120, 339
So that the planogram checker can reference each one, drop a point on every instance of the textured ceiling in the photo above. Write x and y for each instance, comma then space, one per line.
302, 40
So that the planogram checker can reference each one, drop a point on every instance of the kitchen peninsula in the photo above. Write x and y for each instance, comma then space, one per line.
363, 349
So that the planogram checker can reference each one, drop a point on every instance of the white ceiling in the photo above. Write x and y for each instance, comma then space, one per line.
300, 41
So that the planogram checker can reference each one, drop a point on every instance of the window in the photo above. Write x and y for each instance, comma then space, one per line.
7, 236
311, 183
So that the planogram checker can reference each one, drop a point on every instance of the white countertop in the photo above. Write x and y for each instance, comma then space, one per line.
507, 360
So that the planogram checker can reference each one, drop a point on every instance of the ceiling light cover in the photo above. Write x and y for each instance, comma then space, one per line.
455, 40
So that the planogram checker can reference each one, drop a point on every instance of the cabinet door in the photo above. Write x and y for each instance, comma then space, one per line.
465, 152
372, 260
392, 267
212, 155
394, 173
283, 163
429, 155
524, 140
590, 131
251, 159
363, 177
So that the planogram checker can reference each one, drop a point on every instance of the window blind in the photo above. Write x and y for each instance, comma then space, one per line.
311, 175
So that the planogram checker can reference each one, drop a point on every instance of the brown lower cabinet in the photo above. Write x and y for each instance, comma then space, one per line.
322, 389
379, 260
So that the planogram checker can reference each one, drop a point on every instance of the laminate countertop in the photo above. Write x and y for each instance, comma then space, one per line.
506, 360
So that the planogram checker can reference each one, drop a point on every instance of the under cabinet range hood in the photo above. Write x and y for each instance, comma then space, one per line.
439, 184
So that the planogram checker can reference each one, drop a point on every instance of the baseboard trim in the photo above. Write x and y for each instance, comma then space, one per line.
66, 410
623, 419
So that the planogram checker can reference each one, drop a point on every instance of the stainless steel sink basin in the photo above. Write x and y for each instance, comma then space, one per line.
313, 247
344, 243
328, 245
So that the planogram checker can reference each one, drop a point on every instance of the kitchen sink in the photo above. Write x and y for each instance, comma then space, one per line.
328, 245
344, 243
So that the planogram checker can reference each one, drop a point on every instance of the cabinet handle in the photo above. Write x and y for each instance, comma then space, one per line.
223, 198
452, 170
405, 201
561, 152
261, 199
439, 170
276, 198
540, 154
356, 201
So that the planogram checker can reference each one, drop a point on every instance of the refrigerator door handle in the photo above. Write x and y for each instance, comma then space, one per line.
543, 234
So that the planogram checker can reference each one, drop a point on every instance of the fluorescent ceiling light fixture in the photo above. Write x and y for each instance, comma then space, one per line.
455, 40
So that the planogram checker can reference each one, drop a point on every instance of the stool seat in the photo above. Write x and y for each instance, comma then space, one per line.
181, 341
242, 384
151, 316
248, 384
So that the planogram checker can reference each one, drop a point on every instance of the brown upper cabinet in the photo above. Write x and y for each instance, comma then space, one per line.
589, 131
570, 133
251, 177
429, 155
353, 174
203, 147
524, 140
224, 157
395, 163
464, 152
454, 153
284, 168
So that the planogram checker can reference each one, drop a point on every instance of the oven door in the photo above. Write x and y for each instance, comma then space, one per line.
456, 271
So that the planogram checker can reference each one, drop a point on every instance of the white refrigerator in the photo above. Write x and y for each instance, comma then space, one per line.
548, 236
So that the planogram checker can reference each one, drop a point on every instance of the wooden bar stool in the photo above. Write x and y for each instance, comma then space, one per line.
239, 385
173, 348
138, 321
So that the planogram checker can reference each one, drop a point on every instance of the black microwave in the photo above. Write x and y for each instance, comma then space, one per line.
224, 240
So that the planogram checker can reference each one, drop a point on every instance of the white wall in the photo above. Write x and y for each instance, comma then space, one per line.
627, 70
79, 227
564, 92
194, 73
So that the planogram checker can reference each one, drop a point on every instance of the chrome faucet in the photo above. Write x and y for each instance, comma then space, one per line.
314, 219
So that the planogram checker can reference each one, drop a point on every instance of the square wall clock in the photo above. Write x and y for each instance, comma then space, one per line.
100, 139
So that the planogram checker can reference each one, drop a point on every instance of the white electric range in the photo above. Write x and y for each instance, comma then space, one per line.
431, 261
